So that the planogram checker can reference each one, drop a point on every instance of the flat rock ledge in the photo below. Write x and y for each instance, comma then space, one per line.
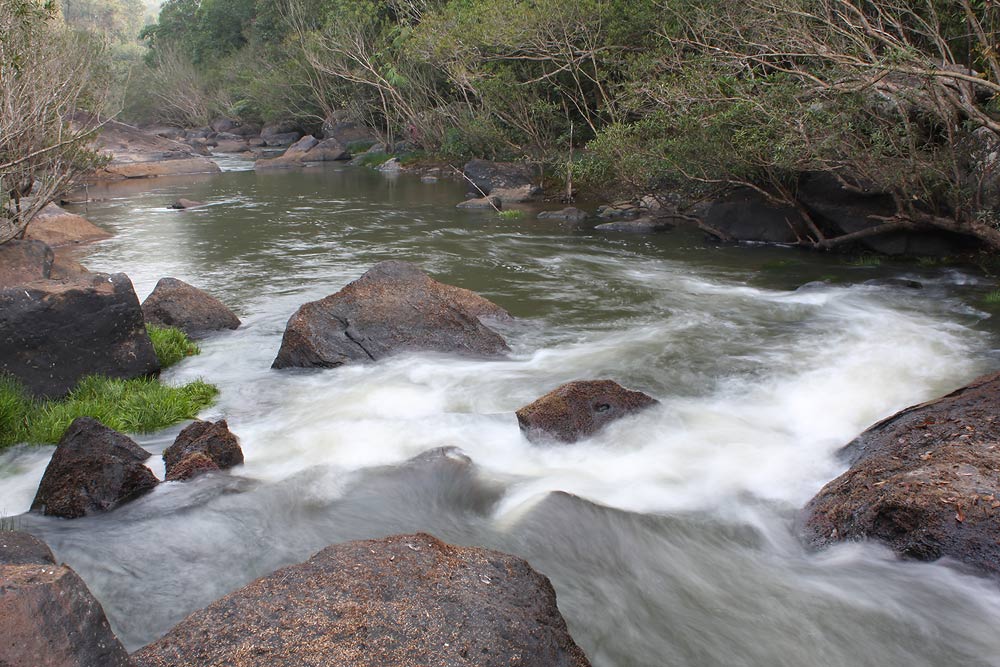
577, 410
393, 308
401, 601
925, 481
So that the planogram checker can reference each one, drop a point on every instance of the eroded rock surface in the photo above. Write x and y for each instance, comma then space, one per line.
56, 226
94, 469
213, 440
577, 410
401, 601
394, 307
174, 303
925, 481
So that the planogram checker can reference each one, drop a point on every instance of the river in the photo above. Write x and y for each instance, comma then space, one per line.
677, 545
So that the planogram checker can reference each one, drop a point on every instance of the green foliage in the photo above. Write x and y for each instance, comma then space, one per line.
992, 297
131, 406
511, 214
171, 345
373, 160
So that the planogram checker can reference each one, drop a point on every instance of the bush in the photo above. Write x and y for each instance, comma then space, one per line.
171, 345
131, 406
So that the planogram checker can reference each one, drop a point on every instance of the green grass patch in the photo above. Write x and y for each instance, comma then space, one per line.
359, 146
511, 214
866, 260
171, 344
992, 297
373, 160
411, 158
141, 405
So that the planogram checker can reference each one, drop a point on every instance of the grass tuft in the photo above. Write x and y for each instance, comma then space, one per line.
866, 260
511, 214
171, 345
141, 405
992, 297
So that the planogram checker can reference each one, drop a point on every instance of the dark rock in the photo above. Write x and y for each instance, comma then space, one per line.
277, 134
56, 227
18, 548
23, 262
923, 481
94, 469
395, 307
328, 150
489, 176
396, 602
191, 466
54, 333
894, 282
745, 215
48, 618
577, 410
182, 204
483, 203
215, 441
569, 214
637, 226
174, 303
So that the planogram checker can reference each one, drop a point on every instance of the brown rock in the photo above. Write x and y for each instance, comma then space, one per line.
24, 261
307, 149
138, 154
215, 441
482, 203
48, 618
924, 481
395, 307
577, 410
56, 227
94, 469
190, 466
54, 333
516, 195
174, 303
396, 602
17, 548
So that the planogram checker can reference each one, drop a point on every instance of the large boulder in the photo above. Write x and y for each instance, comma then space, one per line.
56, 227
24, 262
340, 127
49, 618
56, 332
281, 134
94, 469
394, 307
305, 150
577, 410
396, 602
489, 176
214, 441
174, 303
746, 215
138, 154
923, 481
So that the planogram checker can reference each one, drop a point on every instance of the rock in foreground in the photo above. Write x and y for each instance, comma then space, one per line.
213, 441
924, 481
55, 333
174, 303
577, 410
397, 602
395, 307
94, 469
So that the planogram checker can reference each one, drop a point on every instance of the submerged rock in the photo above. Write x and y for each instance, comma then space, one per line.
569, 214
924, 481
56, 332
577, 410
482, 203
642, 225
182, 204
394, 307
396, 602
214, 441
94, 469
174, 303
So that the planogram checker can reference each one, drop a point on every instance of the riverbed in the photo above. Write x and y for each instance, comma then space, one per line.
669, 537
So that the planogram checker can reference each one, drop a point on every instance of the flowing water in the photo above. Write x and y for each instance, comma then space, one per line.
674, 542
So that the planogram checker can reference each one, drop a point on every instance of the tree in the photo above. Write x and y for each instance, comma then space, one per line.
48, 81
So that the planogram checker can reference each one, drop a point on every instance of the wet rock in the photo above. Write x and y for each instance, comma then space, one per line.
49, 618
55, 333
395, 602
393, 308
923, 481
619, 210
24, 261
56, 227
391, 166
281, 134
17, 548
191, 466
212, 440
182, 204
174, 303
637, 226
489, 176
138, 154
745, 215
483, 203
518, 195
577, 410
569, 214
94, 469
